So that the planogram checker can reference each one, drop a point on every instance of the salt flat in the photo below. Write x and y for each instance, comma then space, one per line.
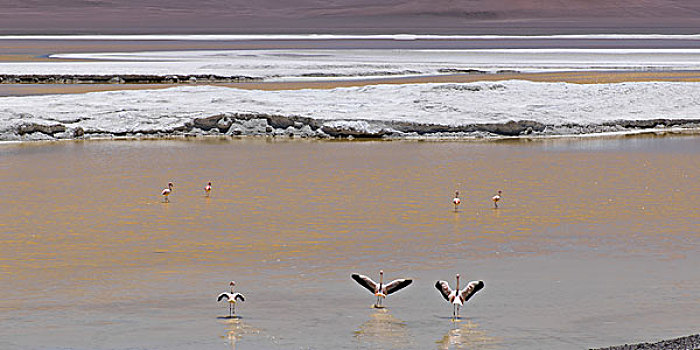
280, 65
368, 110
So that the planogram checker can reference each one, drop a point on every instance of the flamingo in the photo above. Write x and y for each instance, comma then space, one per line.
495, 199
458, 297
456, 200
207, 188
381, 290
231, 297
166, 192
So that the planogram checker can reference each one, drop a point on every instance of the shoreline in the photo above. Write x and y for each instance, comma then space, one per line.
275, 127
691, 342
59, 85
652, 133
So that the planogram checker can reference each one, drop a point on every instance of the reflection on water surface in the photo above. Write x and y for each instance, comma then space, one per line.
466, 334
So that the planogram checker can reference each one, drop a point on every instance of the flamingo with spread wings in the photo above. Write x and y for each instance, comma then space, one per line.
381, 290
458, 297
232, 298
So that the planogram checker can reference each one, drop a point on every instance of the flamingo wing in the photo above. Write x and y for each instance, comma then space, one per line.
365, 282
238, 296
397, 285
444, 289
223, 296
471, 289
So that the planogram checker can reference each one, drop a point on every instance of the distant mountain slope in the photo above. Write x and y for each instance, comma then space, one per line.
356, 16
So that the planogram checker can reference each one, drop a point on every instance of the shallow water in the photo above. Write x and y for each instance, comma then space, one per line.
596, 243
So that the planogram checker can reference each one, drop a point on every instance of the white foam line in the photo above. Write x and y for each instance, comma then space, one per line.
256, 37
158, 55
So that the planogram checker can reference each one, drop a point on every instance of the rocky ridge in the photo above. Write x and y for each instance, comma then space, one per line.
121, 79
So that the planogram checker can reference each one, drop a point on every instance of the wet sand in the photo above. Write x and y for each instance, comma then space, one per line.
595, 243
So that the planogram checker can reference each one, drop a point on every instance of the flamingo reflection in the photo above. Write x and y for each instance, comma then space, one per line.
466, 334
384, 331
236, 329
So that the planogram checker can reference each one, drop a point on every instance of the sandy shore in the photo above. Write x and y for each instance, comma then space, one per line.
577, 77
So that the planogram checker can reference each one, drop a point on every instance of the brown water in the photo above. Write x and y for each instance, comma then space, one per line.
596, 243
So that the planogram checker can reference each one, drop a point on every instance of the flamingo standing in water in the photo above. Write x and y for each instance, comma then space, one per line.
231, 297
458, 297
495, 199
380, 290
456, 200
166, 192
207, 188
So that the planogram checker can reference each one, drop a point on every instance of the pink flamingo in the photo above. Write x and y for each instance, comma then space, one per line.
456, 200
495, 199
231, 297
381, 290
166, 192
458, 297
